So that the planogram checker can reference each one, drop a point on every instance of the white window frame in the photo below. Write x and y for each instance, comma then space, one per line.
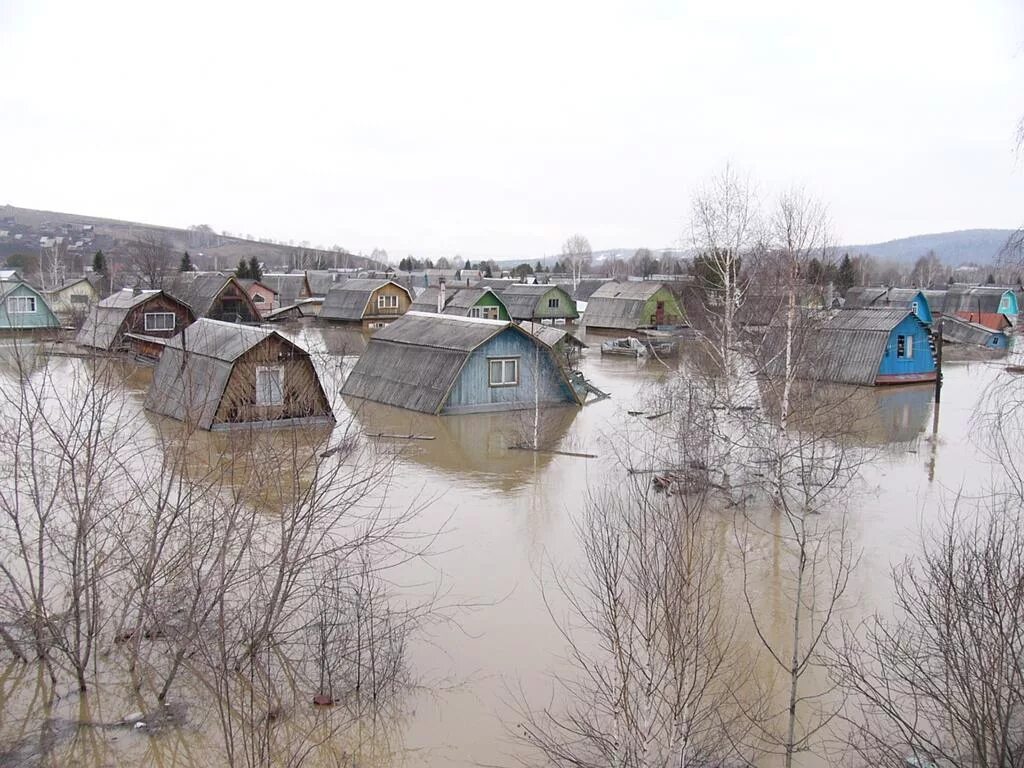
14, 302
387, 301
258, 299
266, 370
475, 312
489, 313
908, 347
150, 327
504, 364
554, 303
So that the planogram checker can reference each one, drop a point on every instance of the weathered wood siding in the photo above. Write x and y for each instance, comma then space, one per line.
135, 322
42, 318
234, 305
373, 313
472, 391
303, 395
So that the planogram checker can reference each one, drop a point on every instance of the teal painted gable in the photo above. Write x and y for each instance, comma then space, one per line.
24, 308
473, 391
1008, 304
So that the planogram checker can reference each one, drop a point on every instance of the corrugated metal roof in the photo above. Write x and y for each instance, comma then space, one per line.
322, 280
973, 298
848, 356
867, 319
441, 331
126, 298
633, 289
188, 388
219, 340
962, 332
550, 335
426, 300
199, 290
583, 289
405, 375
465, 298
620, 313
348, 300
290, 287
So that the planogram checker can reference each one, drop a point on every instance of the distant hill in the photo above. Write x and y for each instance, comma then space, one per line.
207, 248
977, 246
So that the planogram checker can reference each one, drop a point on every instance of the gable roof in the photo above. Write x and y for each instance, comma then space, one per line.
467, 298
426, 300
414, 361
320, 281
71, 283
290, 287
879, 320
974, 298
199, 290
195, 367
103, 323
619, 305
521, 299
960, 331
349, 300
551, 335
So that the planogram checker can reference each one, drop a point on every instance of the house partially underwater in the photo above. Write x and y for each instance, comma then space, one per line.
23, 310
368, 302
219, 375
540, 303
868, 297
446, 364
213, 295
868, 347
957, 331
466, 302
134, 320
631, 305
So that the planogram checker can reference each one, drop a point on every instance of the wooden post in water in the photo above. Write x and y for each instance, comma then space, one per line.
938, 362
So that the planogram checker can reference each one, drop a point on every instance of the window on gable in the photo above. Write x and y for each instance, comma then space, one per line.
552, 303
503, 371
387, 301
474, 311
159, 321
21, 305
258, 299
904, 347
269, 385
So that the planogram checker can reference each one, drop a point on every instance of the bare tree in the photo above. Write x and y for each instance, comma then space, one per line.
723, 231
942, 681
576, 253
150, 258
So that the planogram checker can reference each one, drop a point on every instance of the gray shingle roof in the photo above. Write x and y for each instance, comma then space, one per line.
199, 290
219, 340
440, 331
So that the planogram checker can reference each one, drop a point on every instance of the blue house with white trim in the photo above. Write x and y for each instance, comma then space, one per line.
24, 310
867, 297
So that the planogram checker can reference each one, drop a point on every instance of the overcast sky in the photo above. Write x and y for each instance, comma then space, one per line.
498, 129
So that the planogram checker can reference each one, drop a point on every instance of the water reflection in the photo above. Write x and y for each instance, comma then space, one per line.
470, 448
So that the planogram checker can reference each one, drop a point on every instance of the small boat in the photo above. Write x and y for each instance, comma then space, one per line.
629, 347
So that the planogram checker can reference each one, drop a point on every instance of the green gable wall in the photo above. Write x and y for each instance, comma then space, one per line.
43, 317
673, 314
490, 300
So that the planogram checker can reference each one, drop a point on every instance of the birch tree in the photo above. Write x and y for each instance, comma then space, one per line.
723, 231
576, 253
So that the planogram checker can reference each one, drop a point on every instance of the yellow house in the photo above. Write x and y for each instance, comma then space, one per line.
370, 302
73, 298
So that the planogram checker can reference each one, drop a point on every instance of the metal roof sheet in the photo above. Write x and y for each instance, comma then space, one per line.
348, 300
441, 331
220, 340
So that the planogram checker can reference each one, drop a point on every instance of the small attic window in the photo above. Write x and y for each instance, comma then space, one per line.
269, 385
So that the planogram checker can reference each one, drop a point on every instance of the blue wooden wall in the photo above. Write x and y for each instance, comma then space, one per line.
923, 310
473, 393
923, 360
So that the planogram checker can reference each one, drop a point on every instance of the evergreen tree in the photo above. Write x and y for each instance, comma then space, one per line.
539, 267
255, 271
991, 279
242, 273
99, 263
186, 263
846, 276
557, 268
468, 265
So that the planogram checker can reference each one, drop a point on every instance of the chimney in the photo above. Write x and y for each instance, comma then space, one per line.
136, 290
440, 297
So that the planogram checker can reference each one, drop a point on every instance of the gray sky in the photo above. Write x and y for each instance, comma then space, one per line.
498, 129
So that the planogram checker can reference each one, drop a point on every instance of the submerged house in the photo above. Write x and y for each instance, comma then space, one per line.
24, 310
370, 302
957, 331
538, 302
445, 364
262, 295
465, 302
291, 288
213, 295
632, 305
218, 375
120, 320
566, 346
867, 297
991, 306
73, 297
868, 347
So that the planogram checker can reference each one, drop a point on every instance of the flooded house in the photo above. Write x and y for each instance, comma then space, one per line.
628, 306
991, 306
214, 296
24, 310
262, 295
465, 302
868, 347
291, 288
567, 347
957, 331
868, 297
73, 297
220, 375
369, 302
447, 364
540, 303
122, 320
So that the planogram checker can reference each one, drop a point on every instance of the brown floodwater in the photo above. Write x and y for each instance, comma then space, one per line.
506, 516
